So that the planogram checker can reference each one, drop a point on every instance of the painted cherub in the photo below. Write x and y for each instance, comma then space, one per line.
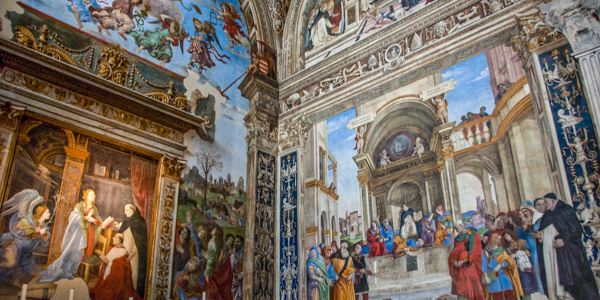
419, 148
360, 140
442, 108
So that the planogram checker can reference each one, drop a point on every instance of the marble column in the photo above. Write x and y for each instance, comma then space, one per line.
10, 121
161, 264
261, 188
75, 160
500, 187
492, 208
447, 169
291, 254
369, 207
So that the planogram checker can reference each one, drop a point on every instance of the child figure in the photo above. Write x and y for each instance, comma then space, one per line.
525, 265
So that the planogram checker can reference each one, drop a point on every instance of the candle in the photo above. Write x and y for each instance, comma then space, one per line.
24, 292
203, 295
71, 294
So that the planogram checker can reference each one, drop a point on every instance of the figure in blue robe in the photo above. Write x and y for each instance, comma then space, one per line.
388, 235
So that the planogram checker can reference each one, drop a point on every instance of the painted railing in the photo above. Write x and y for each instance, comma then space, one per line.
488, 129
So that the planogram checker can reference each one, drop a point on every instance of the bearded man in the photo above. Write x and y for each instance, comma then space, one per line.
343, 289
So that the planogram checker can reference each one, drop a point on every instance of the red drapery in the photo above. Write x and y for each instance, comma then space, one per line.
143, 182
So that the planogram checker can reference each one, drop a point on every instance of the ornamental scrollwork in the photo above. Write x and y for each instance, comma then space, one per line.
165, 239
531, 32
288, 254
112, 63
577, 20
448, 152
264, 230
576, 137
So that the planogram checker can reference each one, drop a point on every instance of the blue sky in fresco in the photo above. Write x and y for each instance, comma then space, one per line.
472, 90
340, 141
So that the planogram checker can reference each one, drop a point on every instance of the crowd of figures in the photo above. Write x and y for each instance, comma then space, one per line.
537, 248
123, 269
334, 274
206, 262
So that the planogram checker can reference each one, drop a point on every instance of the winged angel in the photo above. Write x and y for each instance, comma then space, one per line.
27, 230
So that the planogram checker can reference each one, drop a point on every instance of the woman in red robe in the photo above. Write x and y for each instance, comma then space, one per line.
376, 243
465, 264
116, 282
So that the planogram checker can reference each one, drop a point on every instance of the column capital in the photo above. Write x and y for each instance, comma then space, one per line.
172, 166
575, 19
10, 115
261, 132
293, 134
531, 33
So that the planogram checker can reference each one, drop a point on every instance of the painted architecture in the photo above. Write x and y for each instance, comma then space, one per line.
202, 148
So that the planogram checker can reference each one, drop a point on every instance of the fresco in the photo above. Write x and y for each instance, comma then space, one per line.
194, 52
332, 26
47, 237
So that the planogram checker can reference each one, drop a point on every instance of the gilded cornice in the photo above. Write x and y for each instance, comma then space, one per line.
94, 105
69, 78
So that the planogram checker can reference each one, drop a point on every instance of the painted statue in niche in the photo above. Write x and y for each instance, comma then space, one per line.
115, 197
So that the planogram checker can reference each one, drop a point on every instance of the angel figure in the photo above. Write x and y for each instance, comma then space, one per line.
158, 43
418, 149
229, 14
384, 158
442, 108
201, 46
27, 230
360, 140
